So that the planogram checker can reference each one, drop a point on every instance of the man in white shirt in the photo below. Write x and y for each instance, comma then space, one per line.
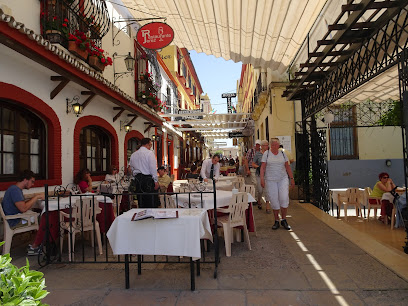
145, 180
210, 168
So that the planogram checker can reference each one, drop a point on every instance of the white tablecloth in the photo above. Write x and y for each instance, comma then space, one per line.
173, 237
64, 202
223, 199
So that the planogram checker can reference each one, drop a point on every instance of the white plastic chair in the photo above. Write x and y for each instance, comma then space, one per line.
352, 197
235, 218
232, 174
29, 216
169, 202
251, 189
82, 220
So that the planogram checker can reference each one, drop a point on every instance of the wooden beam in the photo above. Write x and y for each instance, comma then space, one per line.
329, 64
121, 110
148, 128
134, 118
88, 100
63, 82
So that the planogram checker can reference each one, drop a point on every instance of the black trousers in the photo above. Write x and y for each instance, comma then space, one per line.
142, 183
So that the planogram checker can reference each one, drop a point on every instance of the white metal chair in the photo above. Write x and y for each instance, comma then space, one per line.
32, 224
235, 218
82, 218
352, 197
251, 189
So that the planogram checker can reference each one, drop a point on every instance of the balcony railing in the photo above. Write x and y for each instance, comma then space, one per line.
59, 18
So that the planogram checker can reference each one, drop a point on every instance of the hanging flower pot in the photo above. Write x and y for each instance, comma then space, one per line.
54, 36
95, 63
150, 103
75, 49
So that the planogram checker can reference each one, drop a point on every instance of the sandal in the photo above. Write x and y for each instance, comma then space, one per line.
259, 206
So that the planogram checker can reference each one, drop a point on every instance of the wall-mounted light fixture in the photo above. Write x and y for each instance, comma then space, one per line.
388, 162
74, 106
124, 125
129, 62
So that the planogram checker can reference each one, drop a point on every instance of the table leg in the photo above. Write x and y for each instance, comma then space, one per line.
192, 274
139, 264
127, 271
198, 267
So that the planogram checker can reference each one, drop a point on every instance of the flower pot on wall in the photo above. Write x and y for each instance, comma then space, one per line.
150, 103
55, 37
95, 63
75, 49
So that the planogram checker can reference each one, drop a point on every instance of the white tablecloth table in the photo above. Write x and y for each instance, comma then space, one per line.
223, 199
173, 237
64, 202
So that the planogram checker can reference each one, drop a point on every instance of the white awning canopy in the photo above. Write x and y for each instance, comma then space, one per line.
263, 32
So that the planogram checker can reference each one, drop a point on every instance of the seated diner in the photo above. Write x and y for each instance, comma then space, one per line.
384, 185
83, 180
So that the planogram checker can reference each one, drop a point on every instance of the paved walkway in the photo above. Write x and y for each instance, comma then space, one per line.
311, 265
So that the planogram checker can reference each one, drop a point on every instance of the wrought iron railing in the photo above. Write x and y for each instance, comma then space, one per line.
59, 18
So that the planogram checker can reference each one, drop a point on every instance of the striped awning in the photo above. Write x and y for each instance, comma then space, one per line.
265, 33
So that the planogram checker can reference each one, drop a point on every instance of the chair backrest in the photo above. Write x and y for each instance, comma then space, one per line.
237, 207
232, 174
193, 180
239, 179
251, 189
353, 195
169, 202
82, 213
239, 185
183, 189
3, 216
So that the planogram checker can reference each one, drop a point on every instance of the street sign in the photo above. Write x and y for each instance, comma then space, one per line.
235, 134
229, 96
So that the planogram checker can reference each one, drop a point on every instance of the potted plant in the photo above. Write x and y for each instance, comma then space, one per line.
55, 28
79, 44
20, 286
98, 58
146, 76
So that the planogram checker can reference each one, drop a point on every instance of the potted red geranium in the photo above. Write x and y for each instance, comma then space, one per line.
98, 58
79, 44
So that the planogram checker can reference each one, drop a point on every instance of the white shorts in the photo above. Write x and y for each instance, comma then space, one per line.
278, 193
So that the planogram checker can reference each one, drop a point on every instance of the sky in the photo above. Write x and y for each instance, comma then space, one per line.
217, 76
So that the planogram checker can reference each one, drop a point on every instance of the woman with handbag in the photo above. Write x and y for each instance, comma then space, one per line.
276, 176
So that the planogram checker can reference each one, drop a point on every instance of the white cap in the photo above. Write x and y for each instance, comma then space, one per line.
257, 142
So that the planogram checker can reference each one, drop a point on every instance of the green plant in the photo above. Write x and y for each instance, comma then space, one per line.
55, 23
101, 54
394, 115
20, 286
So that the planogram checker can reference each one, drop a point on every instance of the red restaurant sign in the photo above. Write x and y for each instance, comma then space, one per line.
155, 35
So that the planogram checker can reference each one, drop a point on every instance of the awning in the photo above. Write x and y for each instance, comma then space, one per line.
263, 32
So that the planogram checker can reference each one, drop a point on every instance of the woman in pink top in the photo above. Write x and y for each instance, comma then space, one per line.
84, 181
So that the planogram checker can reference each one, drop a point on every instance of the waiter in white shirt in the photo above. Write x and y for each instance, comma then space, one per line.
144, 168
210, 168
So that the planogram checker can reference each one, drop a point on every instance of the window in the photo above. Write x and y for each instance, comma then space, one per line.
194, 90
184, 71
343, 135
189, 82
94, 149
132, 146
169, 109
22, 145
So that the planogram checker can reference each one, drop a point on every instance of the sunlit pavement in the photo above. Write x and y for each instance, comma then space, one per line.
310, 265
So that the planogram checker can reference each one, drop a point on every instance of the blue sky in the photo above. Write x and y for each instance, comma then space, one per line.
217, 76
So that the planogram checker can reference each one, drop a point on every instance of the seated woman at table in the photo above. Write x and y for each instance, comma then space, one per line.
193, 172
113, 175
83, 180
385, 184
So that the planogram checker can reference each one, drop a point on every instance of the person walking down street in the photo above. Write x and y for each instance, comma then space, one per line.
257, 165
275, 177
210, 168
145, 179
250, 176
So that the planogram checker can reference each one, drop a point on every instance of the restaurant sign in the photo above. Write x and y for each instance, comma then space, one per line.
235, 134
155, 35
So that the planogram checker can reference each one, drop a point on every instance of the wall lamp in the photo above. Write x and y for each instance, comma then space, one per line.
129, 62
156, 137
74, 106
388, 162
127, 125
124, 125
